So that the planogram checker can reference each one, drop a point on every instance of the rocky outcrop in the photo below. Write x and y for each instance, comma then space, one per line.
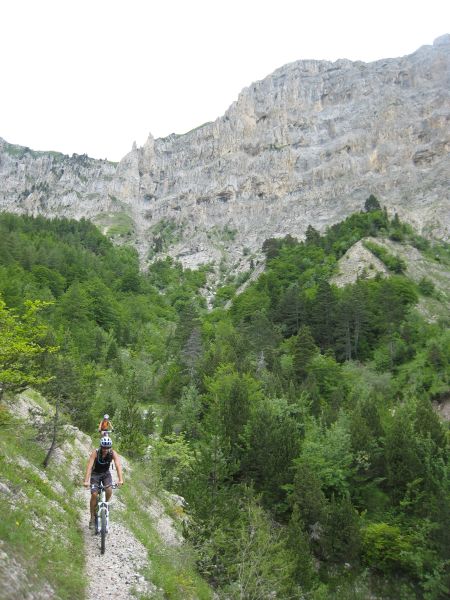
306, 145
358, 262
53, 184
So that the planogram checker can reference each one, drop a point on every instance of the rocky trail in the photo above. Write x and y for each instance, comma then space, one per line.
117, 573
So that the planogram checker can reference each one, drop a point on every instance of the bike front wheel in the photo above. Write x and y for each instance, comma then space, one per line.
103, 532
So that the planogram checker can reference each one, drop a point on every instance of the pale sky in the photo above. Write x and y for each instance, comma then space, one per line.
92, 76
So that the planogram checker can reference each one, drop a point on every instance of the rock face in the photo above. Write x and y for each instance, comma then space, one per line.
53, 184
306, 145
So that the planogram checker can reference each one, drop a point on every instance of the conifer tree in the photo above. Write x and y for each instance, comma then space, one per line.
304, 349
323, 315
371, 204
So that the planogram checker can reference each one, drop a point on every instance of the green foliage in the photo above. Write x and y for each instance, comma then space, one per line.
403, 464
173, 458
426, 286
343, 532
371, 204
224, 294
303, 350
231, 397
189, 410
329, 454
40, 528
172, 568
165, 233
386, 548
393, 263
294, 424
21, 343
271, 424
222, 234
262, 565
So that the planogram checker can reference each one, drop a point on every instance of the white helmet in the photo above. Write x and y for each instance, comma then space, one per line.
106, 416
106, 442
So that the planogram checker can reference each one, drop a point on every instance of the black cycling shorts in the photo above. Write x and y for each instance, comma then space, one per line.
97, 477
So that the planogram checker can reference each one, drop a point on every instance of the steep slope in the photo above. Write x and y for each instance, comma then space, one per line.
53, 184
359, 261
46, 548
41, 546
306, 145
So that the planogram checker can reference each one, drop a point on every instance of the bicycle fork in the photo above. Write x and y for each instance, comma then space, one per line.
102, 509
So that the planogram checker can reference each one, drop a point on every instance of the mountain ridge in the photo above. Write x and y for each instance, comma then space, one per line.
305, 145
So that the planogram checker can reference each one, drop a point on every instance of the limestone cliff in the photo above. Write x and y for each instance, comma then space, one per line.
306, 145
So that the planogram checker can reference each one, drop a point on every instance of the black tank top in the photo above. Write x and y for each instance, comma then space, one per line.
102, 463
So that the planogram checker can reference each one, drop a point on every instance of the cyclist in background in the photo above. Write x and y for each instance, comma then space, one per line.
105, 425
97, 470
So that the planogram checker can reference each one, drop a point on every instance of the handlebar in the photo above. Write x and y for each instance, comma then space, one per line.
100, 486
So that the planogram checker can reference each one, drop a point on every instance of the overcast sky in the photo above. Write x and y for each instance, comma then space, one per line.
92, 76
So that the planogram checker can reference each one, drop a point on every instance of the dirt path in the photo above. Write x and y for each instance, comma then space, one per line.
118, 573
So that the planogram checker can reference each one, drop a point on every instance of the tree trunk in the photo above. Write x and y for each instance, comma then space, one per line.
54, 436
348, 342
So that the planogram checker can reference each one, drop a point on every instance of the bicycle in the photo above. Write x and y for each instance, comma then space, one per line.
106, 432
102, 514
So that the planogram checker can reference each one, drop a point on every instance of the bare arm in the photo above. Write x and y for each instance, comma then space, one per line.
118, 464
87, 478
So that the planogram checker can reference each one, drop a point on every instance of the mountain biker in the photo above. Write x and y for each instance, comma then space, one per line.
97, 470
105, 424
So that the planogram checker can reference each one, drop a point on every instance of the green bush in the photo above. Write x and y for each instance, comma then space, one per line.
393, 263
426, 286
385, 548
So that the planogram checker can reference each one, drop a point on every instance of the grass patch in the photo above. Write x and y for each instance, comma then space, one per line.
118, 224
20, 151
39, 526
172, 568
222, 234
393, 263
195, 128
165, 233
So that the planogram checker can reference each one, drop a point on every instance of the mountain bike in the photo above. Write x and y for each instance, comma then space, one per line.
106, 432
102, 514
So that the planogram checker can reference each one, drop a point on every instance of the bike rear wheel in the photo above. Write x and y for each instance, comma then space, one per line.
103, 532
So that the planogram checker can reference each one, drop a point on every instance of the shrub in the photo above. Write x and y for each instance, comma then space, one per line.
393, 263
385, 548
426, 286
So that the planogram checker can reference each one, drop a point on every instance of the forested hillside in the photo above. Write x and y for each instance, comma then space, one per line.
298, 424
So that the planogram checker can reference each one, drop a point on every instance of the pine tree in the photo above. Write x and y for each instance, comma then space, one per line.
312, 236
192, 351
290, 310
323, 315
303, 351
403, 463
371, 204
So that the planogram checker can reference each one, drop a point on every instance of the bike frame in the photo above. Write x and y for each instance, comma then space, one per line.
102, 506
102, 514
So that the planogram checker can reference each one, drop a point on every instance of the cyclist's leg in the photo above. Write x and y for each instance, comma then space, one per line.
93, 503
95, 482
107, 482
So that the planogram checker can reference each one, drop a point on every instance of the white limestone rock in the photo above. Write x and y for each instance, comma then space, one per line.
306, 145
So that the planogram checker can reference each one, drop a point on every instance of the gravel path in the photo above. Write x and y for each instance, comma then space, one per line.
118, 573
